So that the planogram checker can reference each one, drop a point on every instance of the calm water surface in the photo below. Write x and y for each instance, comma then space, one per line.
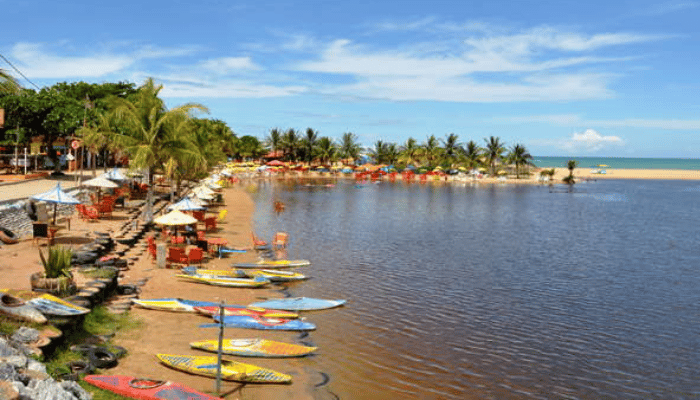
461, 292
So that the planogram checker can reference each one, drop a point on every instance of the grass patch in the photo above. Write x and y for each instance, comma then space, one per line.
96, 273
100, 394
9, 325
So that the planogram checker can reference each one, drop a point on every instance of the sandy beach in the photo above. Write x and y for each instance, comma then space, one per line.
164, 332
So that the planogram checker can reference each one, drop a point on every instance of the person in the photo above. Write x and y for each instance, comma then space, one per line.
30, 208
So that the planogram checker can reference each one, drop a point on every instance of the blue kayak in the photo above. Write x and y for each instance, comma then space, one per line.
255, 322
299, 304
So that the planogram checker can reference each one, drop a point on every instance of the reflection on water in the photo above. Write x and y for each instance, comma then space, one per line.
499, 291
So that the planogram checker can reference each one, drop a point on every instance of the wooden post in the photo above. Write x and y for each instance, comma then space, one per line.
221, 344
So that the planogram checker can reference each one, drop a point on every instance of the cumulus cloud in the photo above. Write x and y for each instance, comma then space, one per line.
226, 65
590, 141
35, 62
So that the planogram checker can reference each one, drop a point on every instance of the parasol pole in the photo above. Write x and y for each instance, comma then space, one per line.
221, 344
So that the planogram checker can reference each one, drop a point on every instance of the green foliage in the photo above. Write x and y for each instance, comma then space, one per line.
58, 262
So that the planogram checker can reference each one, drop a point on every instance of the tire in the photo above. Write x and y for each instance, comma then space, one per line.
100, 357
82, 348
127, 289
7, 236
80, 367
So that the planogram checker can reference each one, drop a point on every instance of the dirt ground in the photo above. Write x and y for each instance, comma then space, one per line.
165, 332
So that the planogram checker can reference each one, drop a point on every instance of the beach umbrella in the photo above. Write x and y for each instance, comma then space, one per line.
186, 204
56, 196
275, 163
115, 175
101, 182
175, 218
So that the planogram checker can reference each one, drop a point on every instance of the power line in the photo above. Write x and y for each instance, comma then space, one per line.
18, 71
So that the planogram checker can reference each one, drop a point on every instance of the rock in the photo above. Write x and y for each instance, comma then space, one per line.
7, 372
25, 335
16, 362
8, 391
33, 365
76, 390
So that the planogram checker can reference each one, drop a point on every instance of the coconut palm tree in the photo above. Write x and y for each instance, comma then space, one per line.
8, 84
378, 152
274, 139
451, 148
431, 149
471, 154
349, 148
326, 150
309, 144
154, 137
570, 165
410, 151
290, 144
520, 157
494, 152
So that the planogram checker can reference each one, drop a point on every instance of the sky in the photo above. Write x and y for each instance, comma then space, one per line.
564, 78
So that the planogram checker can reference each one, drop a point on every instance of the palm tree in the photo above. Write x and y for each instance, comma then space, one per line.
570, 165
154, 136
410, 151
290, 144
326, 150
274, 140
494, 152
519, 156
8, 84
349, 148
431, 149
472, 154
451, 148
310, 144
378, 152
391, 153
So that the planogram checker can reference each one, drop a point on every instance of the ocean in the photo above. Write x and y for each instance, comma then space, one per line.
620, 162
497, 291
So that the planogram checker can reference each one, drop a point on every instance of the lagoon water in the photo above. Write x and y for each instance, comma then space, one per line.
461, 292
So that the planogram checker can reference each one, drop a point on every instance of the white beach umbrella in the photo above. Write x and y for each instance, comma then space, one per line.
175, 218
186, 204
101, 182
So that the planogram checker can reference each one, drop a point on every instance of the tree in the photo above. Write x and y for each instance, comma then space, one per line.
570, 165
309, 144
155, 137
451, 148
8, 84
410, 151
494, 152
378, 153
349, 148
519, 156
431, 150
250, 147
274, 140
326, 150
391, 153
290, 144
471, 153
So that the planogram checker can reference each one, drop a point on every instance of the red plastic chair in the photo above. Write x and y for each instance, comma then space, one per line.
257, 242
280, 240
177, 255
198, 215
196, 255
210, 223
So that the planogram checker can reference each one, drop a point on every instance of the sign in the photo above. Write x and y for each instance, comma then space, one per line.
75, 144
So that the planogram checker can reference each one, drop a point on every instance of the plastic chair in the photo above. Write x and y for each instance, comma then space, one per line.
210, 223
196, 255
177, 255
257, 242
198, 215
222, 215
280, 240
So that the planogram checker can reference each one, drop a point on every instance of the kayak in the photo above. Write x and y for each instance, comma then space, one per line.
146, 389
177, 304
267, 324
19, 309
230, 370
225, 281
252, 311
299, 304
254, 348
272, 275
47, 304
273, 264
211, 272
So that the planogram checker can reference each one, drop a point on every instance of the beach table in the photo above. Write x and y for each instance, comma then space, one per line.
215, 242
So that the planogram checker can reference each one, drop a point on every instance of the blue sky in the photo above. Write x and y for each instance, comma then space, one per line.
564, 78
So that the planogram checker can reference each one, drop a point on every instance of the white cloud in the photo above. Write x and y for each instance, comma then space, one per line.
34, 62
577, 120
590, 141
226, 65
227, 89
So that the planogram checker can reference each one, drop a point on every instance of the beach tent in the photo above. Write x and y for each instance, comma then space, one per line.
56, 196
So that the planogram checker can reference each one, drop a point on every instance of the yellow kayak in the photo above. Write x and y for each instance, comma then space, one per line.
225, 280
254, 348
269, 274
230, 370
273, 264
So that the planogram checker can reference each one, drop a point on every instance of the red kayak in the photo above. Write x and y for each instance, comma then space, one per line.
248, 311
146, 389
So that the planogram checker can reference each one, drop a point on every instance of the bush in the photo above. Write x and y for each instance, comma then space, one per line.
58, 262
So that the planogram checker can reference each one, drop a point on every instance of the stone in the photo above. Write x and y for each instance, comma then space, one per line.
8, 391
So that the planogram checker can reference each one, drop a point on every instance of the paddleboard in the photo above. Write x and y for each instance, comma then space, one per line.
268, 324
253, 311
268, 264
299, 304
225, 281
272, 275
